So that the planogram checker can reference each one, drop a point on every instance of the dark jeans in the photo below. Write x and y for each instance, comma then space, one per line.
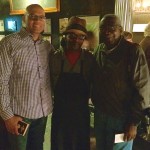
3, 136
105, 129
32, 140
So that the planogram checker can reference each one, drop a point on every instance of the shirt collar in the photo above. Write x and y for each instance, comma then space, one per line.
24, 34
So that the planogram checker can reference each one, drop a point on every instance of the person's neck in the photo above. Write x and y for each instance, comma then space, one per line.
111, 47
35, 37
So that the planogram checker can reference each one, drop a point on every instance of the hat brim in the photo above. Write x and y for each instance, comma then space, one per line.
76, 28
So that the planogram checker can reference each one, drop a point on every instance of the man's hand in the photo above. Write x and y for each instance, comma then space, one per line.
12, 124
130, 132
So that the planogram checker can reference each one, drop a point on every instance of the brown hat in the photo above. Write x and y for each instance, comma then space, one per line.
76, 24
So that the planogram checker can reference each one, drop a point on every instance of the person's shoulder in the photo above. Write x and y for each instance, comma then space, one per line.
47, 43
100, 46
132, 45
136, 49
136, 45
98, 49
58, 53
11, 38
56, 56
88, 55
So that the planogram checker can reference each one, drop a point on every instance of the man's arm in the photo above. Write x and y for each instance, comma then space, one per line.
140, 99
141, 78
6, 64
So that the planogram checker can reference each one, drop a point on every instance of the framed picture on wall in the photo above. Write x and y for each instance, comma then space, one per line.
1, 25
13, 23
47, 28
62, 24
18, 6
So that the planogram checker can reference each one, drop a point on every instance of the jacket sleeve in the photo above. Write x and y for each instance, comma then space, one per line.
6, 65
141, 83
141, 77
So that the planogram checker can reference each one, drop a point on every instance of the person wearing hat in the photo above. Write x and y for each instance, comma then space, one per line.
72, 70
121, 90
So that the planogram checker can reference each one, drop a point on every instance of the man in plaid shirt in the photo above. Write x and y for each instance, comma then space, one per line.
25, 83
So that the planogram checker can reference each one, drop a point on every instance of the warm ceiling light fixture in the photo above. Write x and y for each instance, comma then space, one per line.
142, 6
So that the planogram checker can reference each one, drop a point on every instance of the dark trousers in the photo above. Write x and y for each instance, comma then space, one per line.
32, 140
105, 129
3, 136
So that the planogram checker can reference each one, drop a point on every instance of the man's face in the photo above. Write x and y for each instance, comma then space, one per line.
74, 40
35, 21
110, 31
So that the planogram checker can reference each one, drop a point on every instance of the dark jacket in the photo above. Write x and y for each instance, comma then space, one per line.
121, 89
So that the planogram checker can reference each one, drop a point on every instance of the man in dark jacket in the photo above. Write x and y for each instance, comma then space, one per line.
121, 90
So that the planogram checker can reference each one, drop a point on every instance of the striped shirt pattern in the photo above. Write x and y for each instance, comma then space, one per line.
24, 76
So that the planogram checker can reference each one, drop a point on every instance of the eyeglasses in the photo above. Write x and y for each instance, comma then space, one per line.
35, 17
109, 28
74, 36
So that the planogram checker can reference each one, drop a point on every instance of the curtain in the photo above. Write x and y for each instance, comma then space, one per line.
123, 9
